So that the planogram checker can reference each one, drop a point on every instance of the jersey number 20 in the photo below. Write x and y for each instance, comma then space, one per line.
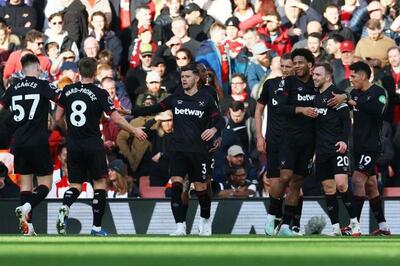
77, 117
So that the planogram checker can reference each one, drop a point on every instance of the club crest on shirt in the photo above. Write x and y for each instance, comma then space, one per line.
201, 103
179, 101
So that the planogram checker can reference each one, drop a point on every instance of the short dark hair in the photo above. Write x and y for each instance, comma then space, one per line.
326, 66
191, 67
234, 169
29, 59
236, 106
315, 35
239, 75
361, 66
304, 53
336, 37
87, 67
287, 56
57, 14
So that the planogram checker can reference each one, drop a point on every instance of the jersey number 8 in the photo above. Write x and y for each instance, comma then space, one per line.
77, 117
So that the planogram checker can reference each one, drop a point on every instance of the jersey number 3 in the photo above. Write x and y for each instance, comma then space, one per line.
77, 116
16, 107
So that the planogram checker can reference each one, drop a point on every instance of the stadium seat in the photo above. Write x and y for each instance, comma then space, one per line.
391, 192
147, 191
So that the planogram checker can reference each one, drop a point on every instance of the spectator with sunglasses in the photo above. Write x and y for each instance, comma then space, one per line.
34, 43
55, 33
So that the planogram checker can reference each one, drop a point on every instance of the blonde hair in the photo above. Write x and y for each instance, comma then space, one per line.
122, 184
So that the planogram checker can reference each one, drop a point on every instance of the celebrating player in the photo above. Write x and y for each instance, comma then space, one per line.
369, 103
29, 101
84, 105
194, 111
333, 127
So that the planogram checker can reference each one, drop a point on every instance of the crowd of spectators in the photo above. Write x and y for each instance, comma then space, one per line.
140, 46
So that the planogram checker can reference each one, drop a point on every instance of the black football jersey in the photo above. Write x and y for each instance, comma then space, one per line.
192, 115
295, 93
275, 123
28, 100
84, 105
332, 124
368, 118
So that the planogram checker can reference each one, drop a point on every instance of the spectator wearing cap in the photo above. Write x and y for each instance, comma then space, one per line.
153, 87
180, 28
314, 41
169, 81
237, 185
117, 182
135, 79
243, 10
199, 22
234, 157
106, 38
215, 55
170, 11
19, 17
341, 67
220, 10
144, 37
233, 41
259, 65
375, 45
8, 189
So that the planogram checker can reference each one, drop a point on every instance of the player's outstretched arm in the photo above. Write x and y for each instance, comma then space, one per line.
121, 122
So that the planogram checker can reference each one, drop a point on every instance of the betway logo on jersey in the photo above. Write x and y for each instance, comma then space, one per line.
305, 98
321, 111
187, 111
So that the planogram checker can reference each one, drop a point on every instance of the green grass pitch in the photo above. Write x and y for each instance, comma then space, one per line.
193, 251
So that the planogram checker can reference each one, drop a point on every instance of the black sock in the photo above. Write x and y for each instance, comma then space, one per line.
38, 195
333, 208
376, 207
275, 206
348, 201
297, 212
288, 214
98, 206
279, 214
25, 195
205, 203
70, 196
358, 206
176, 202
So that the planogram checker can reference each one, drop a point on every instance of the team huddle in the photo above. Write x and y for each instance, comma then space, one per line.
309, 123
309, 117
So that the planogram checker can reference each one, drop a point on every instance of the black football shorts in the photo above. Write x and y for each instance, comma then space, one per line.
33, 160
326, 167
196, 165
86, 163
